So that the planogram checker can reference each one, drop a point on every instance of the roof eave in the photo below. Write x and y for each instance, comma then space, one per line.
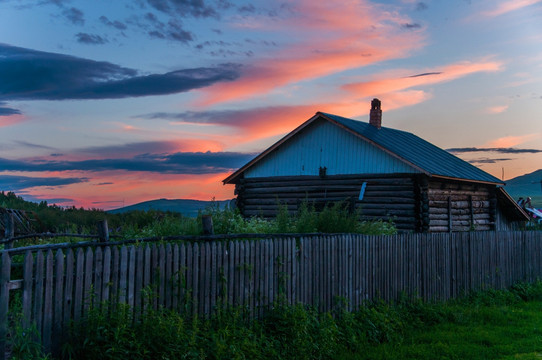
468, 180
516, 205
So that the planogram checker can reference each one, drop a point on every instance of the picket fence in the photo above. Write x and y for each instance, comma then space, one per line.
59, 286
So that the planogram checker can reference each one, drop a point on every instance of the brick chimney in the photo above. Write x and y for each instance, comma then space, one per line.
375, 116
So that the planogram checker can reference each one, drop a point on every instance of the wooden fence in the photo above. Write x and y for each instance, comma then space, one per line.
59, 286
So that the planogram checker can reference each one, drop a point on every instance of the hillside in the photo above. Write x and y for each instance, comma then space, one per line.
183, 206
527, 185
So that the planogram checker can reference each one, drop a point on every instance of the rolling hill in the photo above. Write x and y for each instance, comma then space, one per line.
527, 185
183, 206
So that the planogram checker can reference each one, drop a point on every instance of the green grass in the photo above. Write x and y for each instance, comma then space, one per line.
485, 325
511, 331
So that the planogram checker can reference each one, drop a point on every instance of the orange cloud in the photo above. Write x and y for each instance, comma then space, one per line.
332, 39
497, 109
508, 6
510, 141
398, 80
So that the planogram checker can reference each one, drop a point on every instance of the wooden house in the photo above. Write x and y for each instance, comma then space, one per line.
386, 173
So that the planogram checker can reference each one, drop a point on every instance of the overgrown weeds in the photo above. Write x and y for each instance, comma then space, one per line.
286, 331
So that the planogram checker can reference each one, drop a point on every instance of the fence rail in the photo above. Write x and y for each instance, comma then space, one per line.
59, 286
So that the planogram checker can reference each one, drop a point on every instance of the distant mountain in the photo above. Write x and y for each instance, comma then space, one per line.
527, 185
183, 206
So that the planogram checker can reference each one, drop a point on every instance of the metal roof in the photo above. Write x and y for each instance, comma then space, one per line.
420, 153
408, 147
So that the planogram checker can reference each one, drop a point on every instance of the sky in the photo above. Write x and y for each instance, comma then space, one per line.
110, 103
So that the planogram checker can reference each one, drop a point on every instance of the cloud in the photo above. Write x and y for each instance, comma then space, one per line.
176, 163
184, 8
75, 16
421, 6
410, 26
17, 183
172, 30
254, 122
497, 150
510, 5
6, 111
487, 161
497, 109
398, 80
35, 75
324, 38
115, 24
510, 141
34, 146
90, 39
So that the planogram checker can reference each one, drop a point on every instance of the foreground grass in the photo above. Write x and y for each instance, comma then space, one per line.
487, 331
485, 325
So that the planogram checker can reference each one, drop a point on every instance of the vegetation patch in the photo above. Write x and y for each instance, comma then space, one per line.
484, 325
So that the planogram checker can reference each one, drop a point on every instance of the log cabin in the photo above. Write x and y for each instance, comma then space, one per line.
385, 173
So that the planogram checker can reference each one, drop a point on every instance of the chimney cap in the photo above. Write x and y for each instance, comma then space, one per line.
375, 104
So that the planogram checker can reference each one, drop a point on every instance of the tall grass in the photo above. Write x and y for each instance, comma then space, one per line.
334, 218
284, 332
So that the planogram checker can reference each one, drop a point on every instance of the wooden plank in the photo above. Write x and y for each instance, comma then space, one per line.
183, 301
146, 302
220, 277
38, 291
176, 277
106, 278
5, 275
168, 291
162, 275
47, 329
155, 275
139, 266
214, 269
98, 276
123, 275
240, 267
115, 274
189, 269
130, 291
205, 278
58, 300
88, 294
27, 289
257, 277
68, 291
195, 278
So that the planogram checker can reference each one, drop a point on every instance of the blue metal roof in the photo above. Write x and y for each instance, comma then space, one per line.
416, 151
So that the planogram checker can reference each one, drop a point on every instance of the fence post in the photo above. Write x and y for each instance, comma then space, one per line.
9, 228
207, 222
5, 274
103, 231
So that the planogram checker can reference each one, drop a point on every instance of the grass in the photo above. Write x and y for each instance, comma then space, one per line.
485, 325
486, 331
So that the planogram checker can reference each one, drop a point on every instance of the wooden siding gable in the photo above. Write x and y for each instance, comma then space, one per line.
324, 144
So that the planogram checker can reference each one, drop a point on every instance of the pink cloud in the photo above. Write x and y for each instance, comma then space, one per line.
11, 120
510, 141
399, 80
508, 6
327, 38
497, 109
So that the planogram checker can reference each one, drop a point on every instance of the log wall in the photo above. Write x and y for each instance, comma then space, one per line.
385, 197
457, 206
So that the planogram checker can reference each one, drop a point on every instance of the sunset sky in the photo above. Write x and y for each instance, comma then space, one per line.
108, 103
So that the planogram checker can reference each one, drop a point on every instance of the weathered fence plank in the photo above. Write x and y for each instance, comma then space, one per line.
5, 275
